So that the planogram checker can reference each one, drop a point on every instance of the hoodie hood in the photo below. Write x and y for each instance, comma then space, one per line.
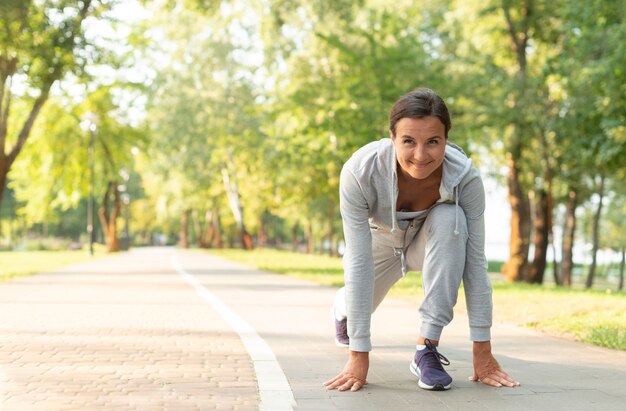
375, 168
456, 165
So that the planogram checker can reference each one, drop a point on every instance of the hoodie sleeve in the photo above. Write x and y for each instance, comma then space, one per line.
358, 263
475, 279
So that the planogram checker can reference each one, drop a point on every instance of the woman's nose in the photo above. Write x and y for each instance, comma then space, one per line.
420, 152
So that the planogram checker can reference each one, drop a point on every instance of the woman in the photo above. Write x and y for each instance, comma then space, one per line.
414, 202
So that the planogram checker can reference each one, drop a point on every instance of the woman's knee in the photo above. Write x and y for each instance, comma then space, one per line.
447, 219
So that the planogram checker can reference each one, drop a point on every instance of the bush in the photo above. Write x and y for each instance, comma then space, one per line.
44, 244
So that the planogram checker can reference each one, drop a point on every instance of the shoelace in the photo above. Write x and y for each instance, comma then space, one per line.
433, 357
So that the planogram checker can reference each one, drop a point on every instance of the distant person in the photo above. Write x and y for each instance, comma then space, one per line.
414, 202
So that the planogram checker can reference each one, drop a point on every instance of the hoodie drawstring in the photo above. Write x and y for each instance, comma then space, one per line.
456, 211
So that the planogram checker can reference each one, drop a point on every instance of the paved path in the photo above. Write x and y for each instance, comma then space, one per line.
158, 329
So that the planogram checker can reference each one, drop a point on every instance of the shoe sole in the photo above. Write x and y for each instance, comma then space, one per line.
337, 342
340, 344
437, 387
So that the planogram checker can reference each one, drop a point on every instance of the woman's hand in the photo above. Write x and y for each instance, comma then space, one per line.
354, 374
486, 368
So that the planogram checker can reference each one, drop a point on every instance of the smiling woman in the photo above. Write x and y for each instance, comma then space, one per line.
414, 202
420, 145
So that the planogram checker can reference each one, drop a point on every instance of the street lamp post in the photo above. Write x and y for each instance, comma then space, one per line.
125, 243
90, 123
92, 135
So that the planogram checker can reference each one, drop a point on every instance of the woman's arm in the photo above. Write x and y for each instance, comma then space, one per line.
358, 262
478, 292
358, 265
476, 282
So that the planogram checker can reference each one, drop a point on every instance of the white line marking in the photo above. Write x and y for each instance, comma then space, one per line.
274, 389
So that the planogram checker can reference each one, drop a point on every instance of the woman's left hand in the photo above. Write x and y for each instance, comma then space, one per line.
486, 368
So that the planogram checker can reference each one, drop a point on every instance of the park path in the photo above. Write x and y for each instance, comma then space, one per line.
165, 329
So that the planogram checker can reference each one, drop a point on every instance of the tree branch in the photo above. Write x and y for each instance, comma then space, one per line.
4, 115
55, 74
28, 124
108, 155
8, 68
510, 25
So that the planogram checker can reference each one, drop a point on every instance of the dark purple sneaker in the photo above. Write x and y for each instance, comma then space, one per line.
341, 333
427, 367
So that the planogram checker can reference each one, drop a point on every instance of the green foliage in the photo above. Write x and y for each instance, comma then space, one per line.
53, 172
282, 92
43, 244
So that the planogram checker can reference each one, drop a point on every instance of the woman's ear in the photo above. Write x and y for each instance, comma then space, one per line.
391, 136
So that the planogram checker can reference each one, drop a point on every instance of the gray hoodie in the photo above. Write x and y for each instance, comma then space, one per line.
368, 196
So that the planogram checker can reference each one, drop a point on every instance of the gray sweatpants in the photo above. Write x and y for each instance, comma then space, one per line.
429, 245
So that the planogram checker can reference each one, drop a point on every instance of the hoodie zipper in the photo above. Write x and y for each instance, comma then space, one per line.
397, 252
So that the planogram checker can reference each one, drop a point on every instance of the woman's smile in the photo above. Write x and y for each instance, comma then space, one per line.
420, 146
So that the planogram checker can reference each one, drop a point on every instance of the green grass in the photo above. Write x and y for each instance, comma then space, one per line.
321, 269
19, 263
592, 316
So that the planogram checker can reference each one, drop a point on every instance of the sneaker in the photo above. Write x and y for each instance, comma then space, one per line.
427, 367
341, 333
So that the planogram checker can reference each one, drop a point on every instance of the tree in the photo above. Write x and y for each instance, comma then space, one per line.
594, 107
613, 236
206, 127
53, 174
38, 42
335, 91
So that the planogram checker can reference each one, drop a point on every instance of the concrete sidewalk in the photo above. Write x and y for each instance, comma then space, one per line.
129, 333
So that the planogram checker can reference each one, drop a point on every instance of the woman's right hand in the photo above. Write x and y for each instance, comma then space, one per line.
354, 374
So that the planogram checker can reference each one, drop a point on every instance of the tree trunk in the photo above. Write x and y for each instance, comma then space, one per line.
294, 236
197, 227
184, 229
232, 192
620, 286
205, 239
517, 265
108, 219
308, 234
596, 235
246, 239
3, 181
541, 232
567, 246
217, 233
555, 264
261, 236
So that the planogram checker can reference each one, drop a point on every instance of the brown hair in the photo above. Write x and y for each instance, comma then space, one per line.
419, 103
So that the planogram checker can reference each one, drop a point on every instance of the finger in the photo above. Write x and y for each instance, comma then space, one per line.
348, 384
509, 379
490, 381
500, 378
340, 380
356, 386
473, 377
503, 378
332, 380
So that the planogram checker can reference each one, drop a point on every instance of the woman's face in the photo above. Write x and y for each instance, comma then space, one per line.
420, 145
